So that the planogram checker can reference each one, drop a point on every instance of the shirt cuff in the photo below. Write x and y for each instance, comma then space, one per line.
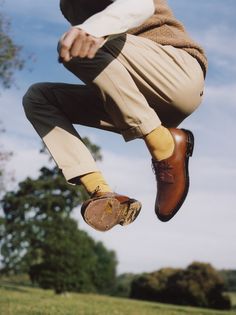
118, 17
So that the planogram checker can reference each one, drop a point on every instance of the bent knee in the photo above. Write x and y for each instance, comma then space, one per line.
33, 96
188, 100
34, 92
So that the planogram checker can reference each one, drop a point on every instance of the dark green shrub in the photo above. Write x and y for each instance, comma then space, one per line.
197, 285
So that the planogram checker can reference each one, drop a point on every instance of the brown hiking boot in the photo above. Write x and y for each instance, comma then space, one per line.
105, 210
172, 175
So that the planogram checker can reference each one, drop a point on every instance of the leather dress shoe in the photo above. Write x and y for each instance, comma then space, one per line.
172, 175
105, 210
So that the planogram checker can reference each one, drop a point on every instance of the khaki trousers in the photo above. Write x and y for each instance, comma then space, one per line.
132, 86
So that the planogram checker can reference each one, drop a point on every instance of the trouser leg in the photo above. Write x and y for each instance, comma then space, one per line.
52, 108
123, 101
143, 84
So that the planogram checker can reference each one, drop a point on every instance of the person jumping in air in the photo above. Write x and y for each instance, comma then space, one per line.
143, 76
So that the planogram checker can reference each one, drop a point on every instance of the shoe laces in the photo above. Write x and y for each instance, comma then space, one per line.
162, 171
95, 192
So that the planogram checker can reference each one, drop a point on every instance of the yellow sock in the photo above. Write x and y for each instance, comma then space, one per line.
93, 181
160, 143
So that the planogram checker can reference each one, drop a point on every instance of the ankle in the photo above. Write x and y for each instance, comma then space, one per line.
95, 182
160, 143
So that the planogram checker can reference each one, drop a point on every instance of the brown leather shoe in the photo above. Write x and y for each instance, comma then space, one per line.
172, 175
105, 210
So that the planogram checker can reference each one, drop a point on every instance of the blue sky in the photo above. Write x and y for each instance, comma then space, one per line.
204, 229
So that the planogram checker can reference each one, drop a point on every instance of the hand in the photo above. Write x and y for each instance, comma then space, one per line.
77, 43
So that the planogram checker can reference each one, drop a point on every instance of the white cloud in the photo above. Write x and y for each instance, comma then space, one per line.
26, 159
218, 39
220, 47
223, 96
12, 114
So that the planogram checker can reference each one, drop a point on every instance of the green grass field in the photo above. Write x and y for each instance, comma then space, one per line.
22, 300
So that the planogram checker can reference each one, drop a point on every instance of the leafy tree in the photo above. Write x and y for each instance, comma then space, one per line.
4, 157
27, 210
105, 273
39, 237
229, 277
94, 149
197, 285
70, 261
152, 286
123, 284
10, 62
200, 285
10, 59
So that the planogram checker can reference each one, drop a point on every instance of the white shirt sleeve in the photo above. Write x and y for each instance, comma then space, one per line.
118, 17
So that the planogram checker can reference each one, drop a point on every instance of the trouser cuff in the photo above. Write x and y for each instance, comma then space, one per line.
141, 130
76, 171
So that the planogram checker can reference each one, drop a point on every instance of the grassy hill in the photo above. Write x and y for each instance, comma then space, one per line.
22, 300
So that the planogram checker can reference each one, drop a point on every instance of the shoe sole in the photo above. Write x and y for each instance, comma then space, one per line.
103, 214
130, 211
189, 152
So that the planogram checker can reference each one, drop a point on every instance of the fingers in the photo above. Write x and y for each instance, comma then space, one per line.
94, 47
81, 46
66, 43
77, 43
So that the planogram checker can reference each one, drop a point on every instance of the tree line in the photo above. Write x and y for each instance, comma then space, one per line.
39, 237
198, 285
